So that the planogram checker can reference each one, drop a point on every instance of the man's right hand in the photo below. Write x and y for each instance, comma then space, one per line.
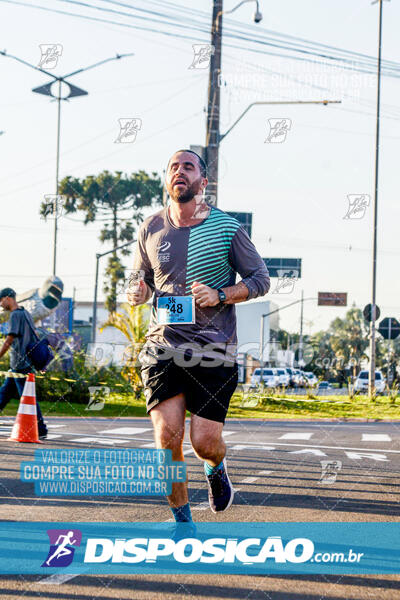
138, 295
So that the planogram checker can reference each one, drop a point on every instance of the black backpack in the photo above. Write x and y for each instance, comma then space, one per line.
38, 352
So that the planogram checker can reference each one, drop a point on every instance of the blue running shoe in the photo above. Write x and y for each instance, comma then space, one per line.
220, 490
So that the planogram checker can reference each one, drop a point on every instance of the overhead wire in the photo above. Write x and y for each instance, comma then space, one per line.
390, 69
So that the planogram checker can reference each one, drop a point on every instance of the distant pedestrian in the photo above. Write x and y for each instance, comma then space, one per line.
20, 335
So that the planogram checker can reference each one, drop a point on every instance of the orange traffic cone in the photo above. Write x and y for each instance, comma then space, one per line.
26, 426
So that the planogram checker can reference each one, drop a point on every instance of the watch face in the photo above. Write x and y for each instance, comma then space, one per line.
222, 296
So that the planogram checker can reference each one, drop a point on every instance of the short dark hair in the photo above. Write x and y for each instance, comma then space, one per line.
202, 164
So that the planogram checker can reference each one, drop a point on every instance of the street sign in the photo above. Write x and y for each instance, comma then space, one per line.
389, 328
291, 266
244, 218
367, 312
332, 299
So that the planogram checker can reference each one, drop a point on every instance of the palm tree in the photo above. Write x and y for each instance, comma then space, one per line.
132, 321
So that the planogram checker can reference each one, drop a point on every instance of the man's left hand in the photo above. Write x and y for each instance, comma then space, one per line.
204, 295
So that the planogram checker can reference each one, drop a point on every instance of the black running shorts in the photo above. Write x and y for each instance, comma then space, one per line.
207, 389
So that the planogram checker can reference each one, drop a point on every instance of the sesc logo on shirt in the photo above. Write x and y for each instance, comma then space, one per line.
162, 248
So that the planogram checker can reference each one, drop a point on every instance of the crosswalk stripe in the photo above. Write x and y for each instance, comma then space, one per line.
106, 441
376, 437
249, 480
296, 436
126, 430
201, 506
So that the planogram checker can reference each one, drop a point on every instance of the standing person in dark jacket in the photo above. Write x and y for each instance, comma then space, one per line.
19, 336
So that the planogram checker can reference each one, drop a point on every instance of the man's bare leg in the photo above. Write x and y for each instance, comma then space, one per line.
168, 419
207, 442
206, 438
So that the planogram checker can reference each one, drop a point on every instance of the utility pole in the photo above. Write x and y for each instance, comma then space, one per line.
213, 106
372, 333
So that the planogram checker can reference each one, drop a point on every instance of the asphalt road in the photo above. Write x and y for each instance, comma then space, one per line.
278, 475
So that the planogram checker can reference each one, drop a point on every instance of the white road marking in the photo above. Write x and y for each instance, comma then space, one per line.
106, 441
242, 447
376, 437
247, 445
361, 455
296, 436
52, 436
308, 451
249, 480
188, 451
55, 426
264, 472
226, 433
126, 430
58, 578
152, 445
201, 506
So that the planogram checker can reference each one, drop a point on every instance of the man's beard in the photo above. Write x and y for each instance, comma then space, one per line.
182, 197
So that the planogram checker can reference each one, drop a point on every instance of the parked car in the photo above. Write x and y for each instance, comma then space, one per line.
323, 386
284, 378
361, 384
310, 377
269, 377
290, 372
299, 379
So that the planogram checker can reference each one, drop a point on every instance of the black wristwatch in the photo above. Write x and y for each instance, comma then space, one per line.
221, 295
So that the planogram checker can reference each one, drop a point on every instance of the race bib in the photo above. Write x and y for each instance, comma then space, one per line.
175, 310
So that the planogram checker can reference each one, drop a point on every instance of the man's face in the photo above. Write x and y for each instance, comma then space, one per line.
183, 179
5, 303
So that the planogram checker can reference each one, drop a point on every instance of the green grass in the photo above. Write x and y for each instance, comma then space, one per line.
117, 405
337, 407
269, 407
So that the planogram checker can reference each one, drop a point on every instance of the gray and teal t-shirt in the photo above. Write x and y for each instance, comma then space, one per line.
211, 252
19, 327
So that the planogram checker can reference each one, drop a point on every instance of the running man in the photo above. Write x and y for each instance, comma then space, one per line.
189, 254
62, 550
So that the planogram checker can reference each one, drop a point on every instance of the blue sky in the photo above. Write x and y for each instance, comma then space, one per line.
297, 189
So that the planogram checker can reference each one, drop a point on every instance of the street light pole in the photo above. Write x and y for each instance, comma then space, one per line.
55, 209
301, 329
73, 92
302, 300
96, 282
372, 336
324, 102
262, 342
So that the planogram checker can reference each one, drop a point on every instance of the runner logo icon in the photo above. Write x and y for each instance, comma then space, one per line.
62, 542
